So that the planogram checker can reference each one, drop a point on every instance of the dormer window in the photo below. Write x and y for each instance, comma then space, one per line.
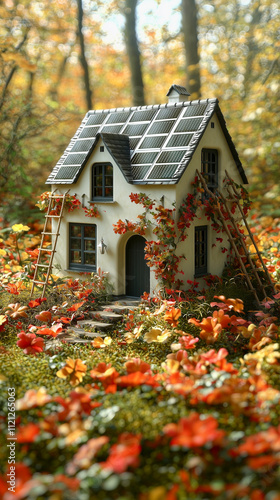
102, 182
209, 167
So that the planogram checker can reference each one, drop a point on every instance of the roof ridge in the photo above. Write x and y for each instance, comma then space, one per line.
153, 106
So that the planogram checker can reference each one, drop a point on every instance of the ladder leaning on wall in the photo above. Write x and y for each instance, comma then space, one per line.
46, 267
237, 239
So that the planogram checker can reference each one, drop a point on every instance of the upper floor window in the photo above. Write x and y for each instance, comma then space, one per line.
102, 182
209, 167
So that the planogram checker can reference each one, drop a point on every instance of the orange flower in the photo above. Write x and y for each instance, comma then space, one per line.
45, 316
172, 316
16, 311
124, 453
228, 304
192, 432
75, 368
136, 365
76, 306
33, 398
3, 321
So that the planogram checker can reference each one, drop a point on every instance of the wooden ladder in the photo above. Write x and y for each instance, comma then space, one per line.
48, 220
237, 239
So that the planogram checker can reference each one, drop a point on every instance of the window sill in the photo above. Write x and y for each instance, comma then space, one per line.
202, 274
90, 202
81, 270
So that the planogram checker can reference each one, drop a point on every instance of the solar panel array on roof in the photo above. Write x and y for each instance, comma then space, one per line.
161, 140
188, 125
153, 142
89, 132
137, 129
67, 173
95, 119
81, 146
120, 117
144, 158
142, 116
162, 172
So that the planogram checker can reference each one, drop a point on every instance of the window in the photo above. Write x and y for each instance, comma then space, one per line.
82, 247
209, 167
102, 176
200, 251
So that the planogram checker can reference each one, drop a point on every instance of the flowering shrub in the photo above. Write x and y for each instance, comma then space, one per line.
180, 400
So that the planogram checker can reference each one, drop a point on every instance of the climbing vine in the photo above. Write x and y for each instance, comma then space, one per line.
160, 252
71, 203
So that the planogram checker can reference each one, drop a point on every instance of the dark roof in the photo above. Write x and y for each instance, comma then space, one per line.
151, 144
179, 89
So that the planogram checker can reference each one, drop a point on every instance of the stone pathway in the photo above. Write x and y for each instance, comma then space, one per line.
102, 321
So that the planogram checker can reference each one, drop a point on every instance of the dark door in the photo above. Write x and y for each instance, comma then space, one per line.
137, 271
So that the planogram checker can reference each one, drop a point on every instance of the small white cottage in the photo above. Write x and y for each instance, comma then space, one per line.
152, 149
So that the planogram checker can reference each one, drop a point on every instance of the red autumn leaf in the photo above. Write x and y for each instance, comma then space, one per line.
27, 433
30, 343
75, 307
36, 302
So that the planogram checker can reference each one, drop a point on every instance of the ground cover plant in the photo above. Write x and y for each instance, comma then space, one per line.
179, 401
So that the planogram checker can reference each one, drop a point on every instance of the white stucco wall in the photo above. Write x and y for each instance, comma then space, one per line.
113, 261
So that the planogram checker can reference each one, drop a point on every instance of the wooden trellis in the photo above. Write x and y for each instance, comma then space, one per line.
46, 267
237, 240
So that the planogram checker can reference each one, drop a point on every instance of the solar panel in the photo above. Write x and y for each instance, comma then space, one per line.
82, 145
88, 132
170, 156
162, 172
133, 141
96, 119
112, 129
161, 127
138, 129
144, 157
178, 140
139, 171
119, 117
67, 173
74, 159
168, 113
153, 142
186, 125
143, 115
195, 110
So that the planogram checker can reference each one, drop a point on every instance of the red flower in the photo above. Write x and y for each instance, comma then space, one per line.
30, 343
192, 432
27, 433
124, 454
136, 365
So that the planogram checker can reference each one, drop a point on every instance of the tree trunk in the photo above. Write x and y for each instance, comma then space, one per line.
189, 25
134, 58
83, 58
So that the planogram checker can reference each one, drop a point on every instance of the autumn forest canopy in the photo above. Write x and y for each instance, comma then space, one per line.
60, 58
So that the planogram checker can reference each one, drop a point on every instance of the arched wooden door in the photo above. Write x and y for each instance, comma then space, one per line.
137, 273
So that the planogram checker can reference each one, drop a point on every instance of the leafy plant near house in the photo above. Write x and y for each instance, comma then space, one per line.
181, 400
169, 232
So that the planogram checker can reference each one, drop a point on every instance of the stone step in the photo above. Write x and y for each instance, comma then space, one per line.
108, 315
118, 308
99, 325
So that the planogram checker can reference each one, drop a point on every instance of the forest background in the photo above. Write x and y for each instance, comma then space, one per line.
60, 58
